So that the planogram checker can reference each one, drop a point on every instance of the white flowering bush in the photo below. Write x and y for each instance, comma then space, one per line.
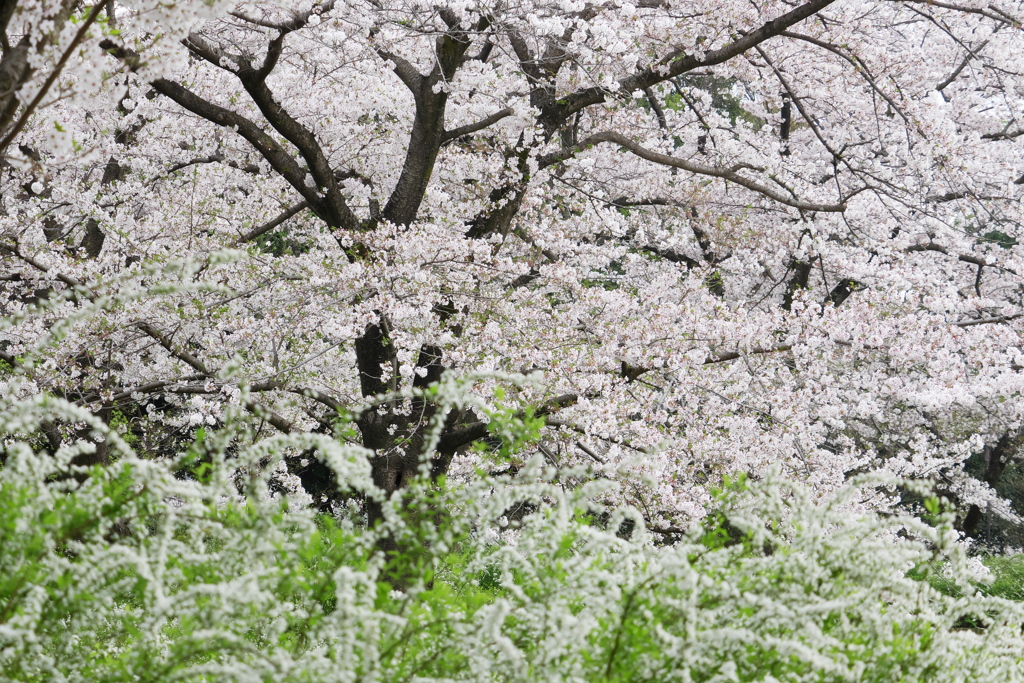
191, 569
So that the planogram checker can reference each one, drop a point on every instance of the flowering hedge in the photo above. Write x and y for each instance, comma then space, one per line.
161, 570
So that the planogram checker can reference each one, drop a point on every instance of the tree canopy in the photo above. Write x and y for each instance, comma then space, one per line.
717, 236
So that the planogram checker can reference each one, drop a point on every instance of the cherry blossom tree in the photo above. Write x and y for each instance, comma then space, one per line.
717, 236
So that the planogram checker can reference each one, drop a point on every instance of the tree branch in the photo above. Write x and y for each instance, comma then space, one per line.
453, 439
270, 225
298, 20
333, 210
180, 354
199, 46
731, 174
319, 397
52, 78
988, 321
270, 416
404, 69
971, 54
427, 134
338, 213
854, 61
479, 125
733, 355
677, 62
966, 258
66, 279
1000, 17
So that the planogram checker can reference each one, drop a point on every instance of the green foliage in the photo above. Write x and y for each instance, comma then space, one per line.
282, 243
510, 428
1000, 576
606, 278
1001, 238
1007, 576
723, 98
122, 423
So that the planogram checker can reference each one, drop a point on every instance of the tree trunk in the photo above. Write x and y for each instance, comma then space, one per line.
996, 459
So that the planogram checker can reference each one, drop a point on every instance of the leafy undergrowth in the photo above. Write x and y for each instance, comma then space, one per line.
1000, 576
1008, 576
134, 572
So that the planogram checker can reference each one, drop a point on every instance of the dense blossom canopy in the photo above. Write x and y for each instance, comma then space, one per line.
719, 235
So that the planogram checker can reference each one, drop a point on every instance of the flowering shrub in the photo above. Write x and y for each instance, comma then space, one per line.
194, 569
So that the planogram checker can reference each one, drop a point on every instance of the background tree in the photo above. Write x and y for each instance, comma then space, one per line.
752, 233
